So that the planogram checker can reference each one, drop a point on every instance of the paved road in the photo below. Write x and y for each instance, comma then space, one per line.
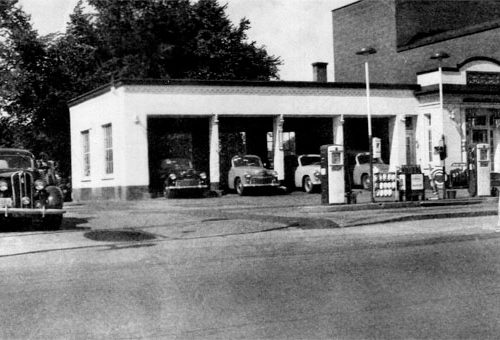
209, 274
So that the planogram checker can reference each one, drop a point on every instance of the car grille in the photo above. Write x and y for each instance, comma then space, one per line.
22, 184
187, 182
261, 180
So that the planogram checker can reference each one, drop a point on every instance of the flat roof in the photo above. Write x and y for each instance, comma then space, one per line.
236, 83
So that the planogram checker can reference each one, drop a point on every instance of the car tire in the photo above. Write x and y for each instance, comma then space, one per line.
238, 185
169, 193
365, 181
307, 185
52, 222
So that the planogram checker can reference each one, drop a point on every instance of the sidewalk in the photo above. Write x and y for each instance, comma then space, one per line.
261, 212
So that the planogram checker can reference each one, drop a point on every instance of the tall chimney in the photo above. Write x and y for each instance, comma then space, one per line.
319, 72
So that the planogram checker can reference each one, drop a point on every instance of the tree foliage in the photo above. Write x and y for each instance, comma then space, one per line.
133, 39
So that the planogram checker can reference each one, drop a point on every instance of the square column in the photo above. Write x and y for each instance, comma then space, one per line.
338, 130
214, 152
397, 142
279, 154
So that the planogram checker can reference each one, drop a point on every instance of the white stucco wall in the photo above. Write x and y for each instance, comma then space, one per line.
91, 115
234, 101
128, 107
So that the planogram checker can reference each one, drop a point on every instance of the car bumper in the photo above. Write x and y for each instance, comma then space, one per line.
257, 185
19, 212
188, 187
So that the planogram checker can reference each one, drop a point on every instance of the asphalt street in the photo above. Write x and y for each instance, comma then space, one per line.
194, 269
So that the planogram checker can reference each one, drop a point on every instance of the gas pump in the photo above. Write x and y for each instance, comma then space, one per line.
479, 170
483, 169
332, 174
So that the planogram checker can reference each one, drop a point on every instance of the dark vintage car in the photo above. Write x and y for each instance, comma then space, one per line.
28, 191
179, 176
248, 172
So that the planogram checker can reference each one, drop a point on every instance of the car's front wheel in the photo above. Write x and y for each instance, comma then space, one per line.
365, 181
307, 185
240, 189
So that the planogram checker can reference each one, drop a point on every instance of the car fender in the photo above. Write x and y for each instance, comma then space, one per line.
55, 197
299, 174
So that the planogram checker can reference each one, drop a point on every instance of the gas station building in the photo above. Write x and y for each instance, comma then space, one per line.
139, 115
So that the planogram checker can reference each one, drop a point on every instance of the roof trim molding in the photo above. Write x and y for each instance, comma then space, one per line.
459, 89
478, 58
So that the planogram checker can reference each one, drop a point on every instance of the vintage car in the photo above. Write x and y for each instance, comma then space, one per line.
248, 172
27, 189
361, 171
179, 176
303, 172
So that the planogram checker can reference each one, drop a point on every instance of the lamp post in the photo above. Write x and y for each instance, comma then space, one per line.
365, 52
439, 56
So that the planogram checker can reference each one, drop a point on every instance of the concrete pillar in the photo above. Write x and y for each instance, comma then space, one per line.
214, 153
338, 130
496, 149
397, 142
279, 155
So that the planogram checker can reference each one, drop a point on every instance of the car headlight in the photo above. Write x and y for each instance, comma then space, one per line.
316, 174
3, 186
172, 177
274, 173
39, 184
203, 175
248, 175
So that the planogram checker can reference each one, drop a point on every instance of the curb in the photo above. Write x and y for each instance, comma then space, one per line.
424, 217
412, 204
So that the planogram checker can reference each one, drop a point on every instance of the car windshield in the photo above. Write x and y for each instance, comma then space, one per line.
310, 160
15, 161
176, 163
365, 159
247, 161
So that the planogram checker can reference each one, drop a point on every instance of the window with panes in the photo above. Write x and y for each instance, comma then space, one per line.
86, 152
108, 148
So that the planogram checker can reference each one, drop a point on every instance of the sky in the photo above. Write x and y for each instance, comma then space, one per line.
299, 31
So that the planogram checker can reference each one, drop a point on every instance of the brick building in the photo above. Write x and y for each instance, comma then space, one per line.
406, 33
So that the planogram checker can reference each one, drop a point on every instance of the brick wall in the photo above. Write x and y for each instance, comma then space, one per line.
373, 23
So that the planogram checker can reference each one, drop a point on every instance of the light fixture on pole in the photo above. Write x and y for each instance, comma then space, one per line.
365, 52
439, 56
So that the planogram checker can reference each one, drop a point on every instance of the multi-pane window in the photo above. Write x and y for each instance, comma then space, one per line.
86, 152
108, 148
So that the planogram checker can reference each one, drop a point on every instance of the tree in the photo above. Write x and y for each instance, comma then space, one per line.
135, 39
177, 39
21, 56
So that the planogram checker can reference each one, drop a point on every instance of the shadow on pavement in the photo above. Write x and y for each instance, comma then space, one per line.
26, 225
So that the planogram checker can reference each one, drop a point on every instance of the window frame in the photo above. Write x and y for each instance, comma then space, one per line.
108, 149
85, 140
